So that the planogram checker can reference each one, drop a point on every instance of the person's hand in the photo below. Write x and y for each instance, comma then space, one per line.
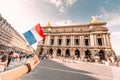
18, 72
34, 61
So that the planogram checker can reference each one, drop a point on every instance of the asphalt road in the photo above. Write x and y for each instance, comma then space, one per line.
50, 70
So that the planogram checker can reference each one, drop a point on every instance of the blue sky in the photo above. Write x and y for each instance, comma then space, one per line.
25, 14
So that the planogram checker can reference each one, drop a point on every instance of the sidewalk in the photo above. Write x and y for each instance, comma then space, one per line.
115, 70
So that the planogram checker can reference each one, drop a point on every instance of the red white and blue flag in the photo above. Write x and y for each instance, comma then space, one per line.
34, 35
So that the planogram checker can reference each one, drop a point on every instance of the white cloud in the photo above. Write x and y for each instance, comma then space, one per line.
112, 18
62, 9
65, 22
115, 21
70, 2
62, 4
57, 3
115, 38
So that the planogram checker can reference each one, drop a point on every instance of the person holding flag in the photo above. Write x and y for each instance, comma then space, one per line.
32, 36
18, 72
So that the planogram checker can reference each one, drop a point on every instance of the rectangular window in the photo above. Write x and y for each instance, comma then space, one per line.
52, 41
59, 41
76, 41
68, 41
99, 41
86, 42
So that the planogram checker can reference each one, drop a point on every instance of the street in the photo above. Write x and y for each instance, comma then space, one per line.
50, 70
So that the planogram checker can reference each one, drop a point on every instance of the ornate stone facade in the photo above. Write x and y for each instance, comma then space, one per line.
79, 40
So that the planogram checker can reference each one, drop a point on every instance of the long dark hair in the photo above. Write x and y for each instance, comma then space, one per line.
4, 58
11, 53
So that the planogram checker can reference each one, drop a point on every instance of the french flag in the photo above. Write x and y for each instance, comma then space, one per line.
34, 35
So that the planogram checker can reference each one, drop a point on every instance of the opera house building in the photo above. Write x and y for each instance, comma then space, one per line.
78, 40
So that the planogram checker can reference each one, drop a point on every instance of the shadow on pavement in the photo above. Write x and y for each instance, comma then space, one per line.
50, 70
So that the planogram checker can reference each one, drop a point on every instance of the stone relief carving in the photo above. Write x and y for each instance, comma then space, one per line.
98, 28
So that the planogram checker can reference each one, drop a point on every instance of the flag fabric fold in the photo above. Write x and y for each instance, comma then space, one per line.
34, 35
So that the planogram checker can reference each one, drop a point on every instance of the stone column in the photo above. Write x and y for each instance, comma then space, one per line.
63, 52
44, 51
48, 40
95, 43
81, 40
92, 54
104, 39
107, 56
71, 40
72, 51
92, 40
56, 41
108, 41
63, 40
54, 53
82, 54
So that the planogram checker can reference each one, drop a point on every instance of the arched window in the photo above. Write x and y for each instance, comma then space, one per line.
77, 53
59, 52
67, 53
102, 55
87, 54
51, 52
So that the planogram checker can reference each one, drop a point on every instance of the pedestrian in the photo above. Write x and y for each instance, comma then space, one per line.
3, 62
9, 58
20, 57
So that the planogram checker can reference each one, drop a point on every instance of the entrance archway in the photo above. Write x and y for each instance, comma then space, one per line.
77, 53
101, 55
59, 52
87, 54
67, 53
51, 51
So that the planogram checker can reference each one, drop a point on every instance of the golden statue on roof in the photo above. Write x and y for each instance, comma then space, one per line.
94, 20
49, 25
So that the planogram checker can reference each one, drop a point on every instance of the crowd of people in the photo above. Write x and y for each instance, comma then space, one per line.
80, 59
17, 72
8, 57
